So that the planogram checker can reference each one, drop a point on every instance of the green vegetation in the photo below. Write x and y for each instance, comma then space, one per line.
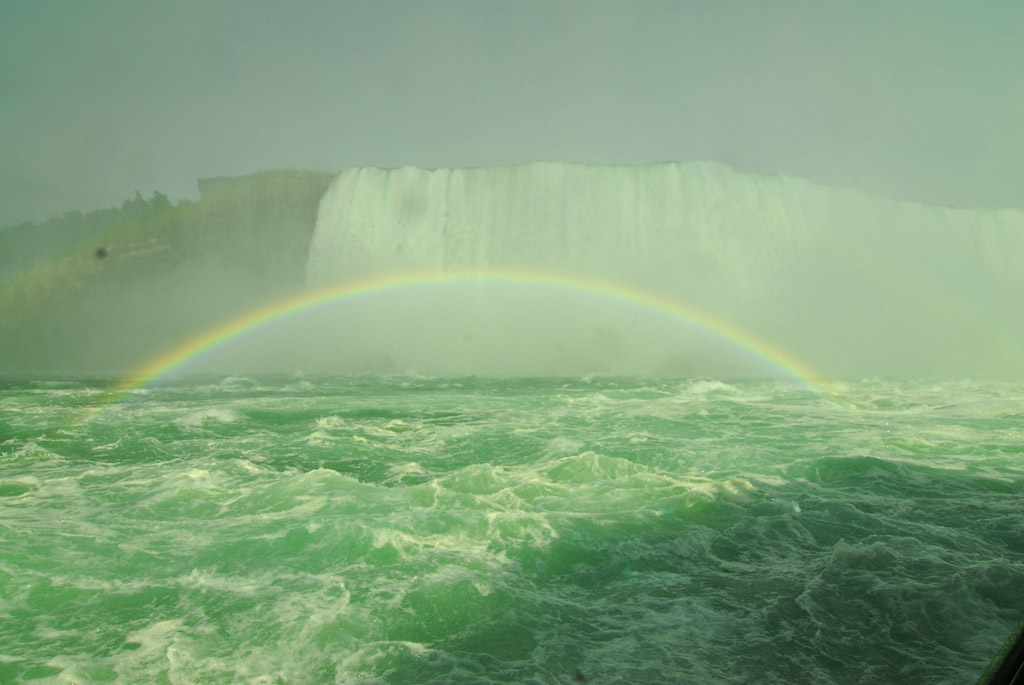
105, 290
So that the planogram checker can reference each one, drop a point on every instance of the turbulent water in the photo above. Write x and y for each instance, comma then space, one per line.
472, 530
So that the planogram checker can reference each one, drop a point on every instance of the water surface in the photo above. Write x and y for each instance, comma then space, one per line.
416, 530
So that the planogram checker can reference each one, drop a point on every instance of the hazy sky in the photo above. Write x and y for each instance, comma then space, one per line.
919, 100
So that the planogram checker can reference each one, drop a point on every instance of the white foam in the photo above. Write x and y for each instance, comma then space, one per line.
209, 415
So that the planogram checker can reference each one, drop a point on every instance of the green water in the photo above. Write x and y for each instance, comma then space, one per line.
416, 530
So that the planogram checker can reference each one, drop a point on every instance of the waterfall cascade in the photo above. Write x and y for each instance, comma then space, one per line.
853, 284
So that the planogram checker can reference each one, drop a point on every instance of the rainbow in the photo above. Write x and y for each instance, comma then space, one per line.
223, 334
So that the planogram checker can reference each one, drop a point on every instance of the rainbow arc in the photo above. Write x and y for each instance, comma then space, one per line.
180, 356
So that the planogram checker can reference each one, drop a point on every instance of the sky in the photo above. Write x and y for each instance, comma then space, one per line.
919, 100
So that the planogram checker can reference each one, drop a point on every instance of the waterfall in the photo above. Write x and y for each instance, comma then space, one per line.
849, 283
